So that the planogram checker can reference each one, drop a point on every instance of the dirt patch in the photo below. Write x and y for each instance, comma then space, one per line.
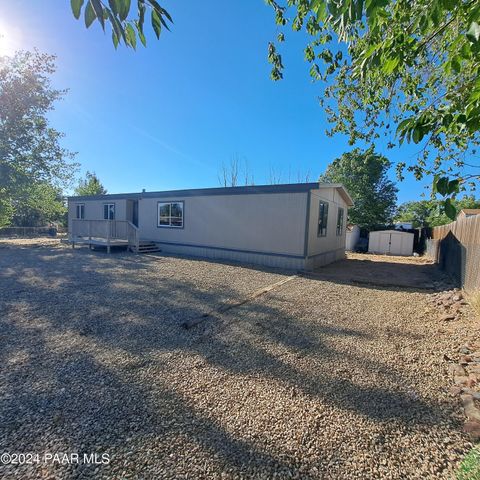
387, 271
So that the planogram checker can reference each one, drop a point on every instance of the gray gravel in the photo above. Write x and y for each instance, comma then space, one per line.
315, 379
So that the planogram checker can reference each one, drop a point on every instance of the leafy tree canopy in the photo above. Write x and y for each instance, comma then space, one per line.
431, 213
30, 150
405, 69
125, 27
364, 174
38, 205
90, 185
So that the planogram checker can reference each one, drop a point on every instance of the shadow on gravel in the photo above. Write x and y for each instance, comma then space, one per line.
69, 391
421, 277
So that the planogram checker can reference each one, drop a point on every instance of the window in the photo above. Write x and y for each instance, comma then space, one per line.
109, 211
340, 222
80, 211
170, 214
322, 219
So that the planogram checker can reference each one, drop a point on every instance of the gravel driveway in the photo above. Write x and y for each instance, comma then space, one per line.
318, 378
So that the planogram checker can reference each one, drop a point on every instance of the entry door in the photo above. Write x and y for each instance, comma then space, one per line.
135, 213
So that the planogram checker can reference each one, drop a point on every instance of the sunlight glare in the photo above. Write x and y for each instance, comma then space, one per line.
10, 39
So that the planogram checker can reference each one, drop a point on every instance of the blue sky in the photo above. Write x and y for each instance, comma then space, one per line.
167, 116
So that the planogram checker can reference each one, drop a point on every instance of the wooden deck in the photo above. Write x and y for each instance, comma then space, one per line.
104, 233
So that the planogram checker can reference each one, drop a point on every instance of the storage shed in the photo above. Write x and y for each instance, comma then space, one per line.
391, 242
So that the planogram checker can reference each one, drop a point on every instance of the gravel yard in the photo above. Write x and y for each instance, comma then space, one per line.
327, 376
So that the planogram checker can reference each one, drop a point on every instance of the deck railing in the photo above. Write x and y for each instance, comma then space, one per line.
107, 231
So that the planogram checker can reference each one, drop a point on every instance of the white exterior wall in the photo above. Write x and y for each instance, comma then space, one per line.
259, 223
324, 250
94, 209
392, 242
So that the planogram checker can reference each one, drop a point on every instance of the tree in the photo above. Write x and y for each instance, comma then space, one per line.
364, 175
90, 185
38, 205
30, 150
431, 213
124, 29
408, 70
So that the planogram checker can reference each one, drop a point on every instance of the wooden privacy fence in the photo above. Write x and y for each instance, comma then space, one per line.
456, 248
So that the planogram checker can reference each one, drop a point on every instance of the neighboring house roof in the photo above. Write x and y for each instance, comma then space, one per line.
470, 211
250, 189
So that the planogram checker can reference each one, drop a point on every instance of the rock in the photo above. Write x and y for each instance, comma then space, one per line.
457, 370
457, 297
473, 429
464, 350
454, 391
460, 380
465, 360
473, 393
446, 317
471, 411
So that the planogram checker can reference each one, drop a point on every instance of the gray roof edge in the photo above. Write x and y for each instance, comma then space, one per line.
243, 190
249, 189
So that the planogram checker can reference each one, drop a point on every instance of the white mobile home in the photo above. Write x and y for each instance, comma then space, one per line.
298, 226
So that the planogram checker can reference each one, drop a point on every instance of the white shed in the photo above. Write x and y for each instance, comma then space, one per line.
391, 242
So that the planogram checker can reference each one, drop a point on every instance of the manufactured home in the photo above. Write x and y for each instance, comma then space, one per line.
298, 226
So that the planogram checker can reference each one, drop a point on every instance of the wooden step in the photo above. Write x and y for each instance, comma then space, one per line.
147, 247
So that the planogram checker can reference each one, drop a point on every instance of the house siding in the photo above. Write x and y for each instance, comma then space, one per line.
328, 249
94, 209
260, 223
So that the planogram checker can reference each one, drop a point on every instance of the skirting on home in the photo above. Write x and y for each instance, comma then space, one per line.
297, 226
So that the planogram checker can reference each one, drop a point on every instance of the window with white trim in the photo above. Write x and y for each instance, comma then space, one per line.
340, 217
170, 214
109, 211
322, 219
80, 211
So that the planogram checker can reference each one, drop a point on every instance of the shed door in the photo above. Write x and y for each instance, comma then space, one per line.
396, 244
384, 243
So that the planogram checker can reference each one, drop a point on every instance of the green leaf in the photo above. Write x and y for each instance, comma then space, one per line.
473, 33
156, 23
450, 209
453, 186
97, 7
76, 7
131, 37
390, 65
124, 9
141, 35
89, 15
114, 39
441, 185
114, 6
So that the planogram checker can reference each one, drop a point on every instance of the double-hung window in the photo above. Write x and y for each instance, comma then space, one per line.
322, 219
80, 211
109, 211
170, 214
340, 222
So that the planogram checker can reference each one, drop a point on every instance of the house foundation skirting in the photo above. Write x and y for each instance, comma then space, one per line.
277, 260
